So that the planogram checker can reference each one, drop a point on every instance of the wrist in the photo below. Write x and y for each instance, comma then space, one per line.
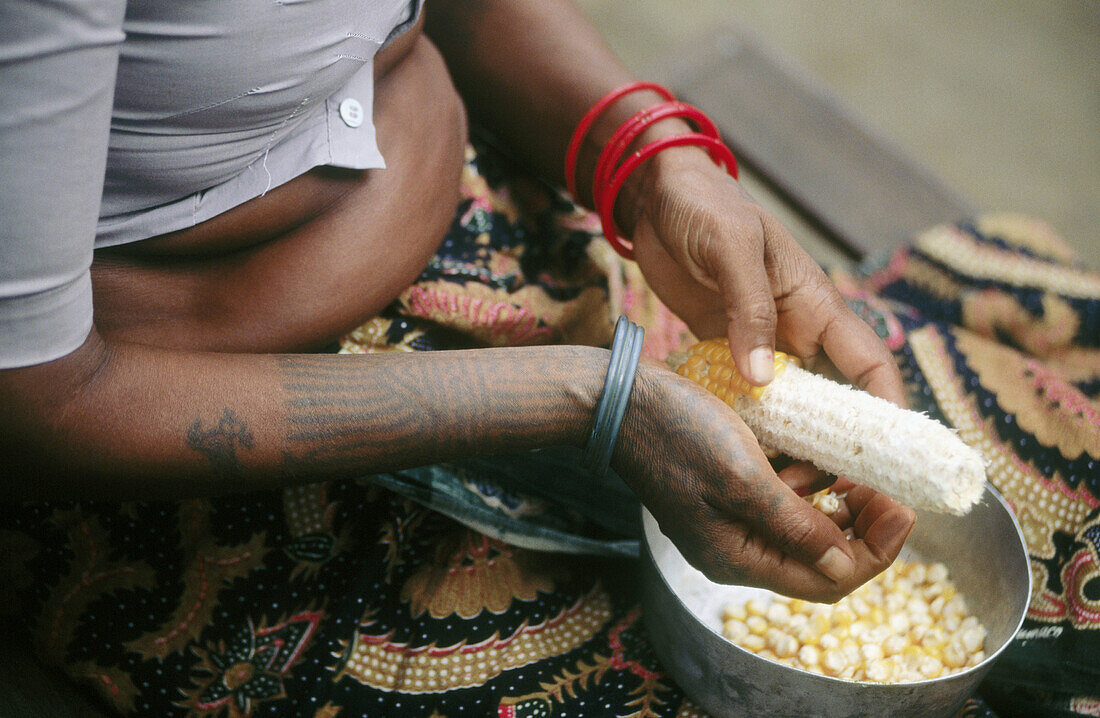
628, 158
659, 171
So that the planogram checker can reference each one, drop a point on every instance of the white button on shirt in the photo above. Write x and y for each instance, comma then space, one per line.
351, 112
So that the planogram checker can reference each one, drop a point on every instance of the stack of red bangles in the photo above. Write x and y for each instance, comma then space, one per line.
610, 174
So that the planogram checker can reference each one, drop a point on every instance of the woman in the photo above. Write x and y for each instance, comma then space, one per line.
222, 161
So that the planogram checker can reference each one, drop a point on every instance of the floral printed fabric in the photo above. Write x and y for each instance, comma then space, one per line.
363, 598
997, 331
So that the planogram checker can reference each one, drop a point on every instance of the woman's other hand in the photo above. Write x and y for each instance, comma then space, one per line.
700, 471
728, 268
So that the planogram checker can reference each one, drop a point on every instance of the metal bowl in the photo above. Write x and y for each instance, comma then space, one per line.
986, 558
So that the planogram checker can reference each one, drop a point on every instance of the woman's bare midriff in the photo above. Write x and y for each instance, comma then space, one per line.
295, 268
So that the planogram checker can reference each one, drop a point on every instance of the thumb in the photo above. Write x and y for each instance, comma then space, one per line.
803, 533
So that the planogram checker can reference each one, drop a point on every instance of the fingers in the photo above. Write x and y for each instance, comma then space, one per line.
788, 525
802, 477
750, 307
815, 318
882, 523
793, 549
861, 356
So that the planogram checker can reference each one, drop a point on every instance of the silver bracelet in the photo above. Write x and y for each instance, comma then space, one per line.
626, 350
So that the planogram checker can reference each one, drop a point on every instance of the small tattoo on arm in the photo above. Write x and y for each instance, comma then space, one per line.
220, 443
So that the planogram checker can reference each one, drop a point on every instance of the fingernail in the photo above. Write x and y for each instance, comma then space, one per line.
762, 365
835, 564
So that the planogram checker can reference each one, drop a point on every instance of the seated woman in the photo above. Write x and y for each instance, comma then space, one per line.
210, 512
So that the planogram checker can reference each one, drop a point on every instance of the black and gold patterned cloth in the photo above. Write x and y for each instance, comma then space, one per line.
479, 589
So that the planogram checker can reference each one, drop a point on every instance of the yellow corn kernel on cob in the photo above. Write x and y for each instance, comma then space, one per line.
845, 431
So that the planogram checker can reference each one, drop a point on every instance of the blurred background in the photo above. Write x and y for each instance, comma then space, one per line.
998, 98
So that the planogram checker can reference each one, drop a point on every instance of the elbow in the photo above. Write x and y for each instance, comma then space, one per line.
41, 407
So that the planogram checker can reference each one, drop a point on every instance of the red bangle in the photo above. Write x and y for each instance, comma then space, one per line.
605, 202
590, 117
629, 131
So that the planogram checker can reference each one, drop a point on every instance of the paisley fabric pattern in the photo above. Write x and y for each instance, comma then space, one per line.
1002, 341
446, 591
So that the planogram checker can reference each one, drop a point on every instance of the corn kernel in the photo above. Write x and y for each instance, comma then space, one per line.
930, 667
894, 644
934, 637
871, 652
899, 623
797, 622
834, 662
916, 606
879, 671
809, 656
757, 625
877, 634
954, 655
972, 638
778, 614
843, 616
955, 607
820, 622
756, 607
735, 630
786, 646
918, 629
807, 636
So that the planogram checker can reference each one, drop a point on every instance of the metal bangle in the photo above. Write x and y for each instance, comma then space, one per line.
626, 350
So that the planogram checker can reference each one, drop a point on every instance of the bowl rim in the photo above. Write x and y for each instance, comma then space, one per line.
650, 522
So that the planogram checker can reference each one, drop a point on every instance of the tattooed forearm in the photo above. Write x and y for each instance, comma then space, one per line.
220, 443
334, 421
392, 411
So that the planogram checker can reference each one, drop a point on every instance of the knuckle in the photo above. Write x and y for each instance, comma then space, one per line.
757, 311
794, 534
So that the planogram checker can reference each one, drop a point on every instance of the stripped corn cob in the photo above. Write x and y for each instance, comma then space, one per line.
846, 432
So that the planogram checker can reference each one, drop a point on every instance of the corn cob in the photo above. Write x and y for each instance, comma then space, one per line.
846, 432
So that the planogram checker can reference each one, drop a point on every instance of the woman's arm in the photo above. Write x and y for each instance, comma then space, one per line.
122, 420
116, 418
113, 421
529, 70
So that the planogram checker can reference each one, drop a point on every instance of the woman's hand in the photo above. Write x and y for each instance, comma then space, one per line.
700, 471
728, 268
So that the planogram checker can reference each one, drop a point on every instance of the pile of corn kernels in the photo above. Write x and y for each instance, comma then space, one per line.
907, 624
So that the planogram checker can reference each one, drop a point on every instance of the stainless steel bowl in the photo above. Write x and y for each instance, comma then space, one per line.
986, 558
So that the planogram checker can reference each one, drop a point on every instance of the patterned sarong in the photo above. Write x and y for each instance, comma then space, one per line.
490, 587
